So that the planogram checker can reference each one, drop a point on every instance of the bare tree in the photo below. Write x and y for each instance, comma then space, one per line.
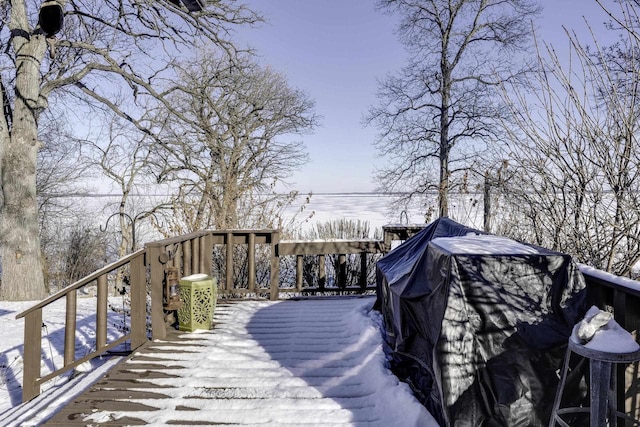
58, 174
574, 155
58, 170
85, 252
435, 114
123, 156
104, 44
230, 142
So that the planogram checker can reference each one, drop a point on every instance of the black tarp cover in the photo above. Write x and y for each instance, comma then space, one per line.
478, 323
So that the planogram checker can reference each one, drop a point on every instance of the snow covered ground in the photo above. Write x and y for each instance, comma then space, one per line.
333, 348
57, 392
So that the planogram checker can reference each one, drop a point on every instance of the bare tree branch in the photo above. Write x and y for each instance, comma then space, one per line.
441, 107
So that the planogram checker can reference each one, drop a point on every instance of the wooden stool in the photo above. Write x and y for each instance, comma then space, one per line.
602, 390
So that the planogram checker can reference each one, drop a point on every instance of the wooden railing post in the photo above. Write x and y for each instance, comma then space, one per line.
32, 351
275, 267
156, 276
138, 302
101, 312
387, 239
70, 328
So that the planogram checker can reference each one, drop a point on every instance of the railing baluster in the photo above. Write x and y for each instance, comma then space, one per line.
363, 270
101, 312
178, 260
275, 267
229, 262
322, 272
342, 271
620, 316
32, 351
70, 328
206, 251
251, 254
619, 307
195, 255
299, 272
186, 258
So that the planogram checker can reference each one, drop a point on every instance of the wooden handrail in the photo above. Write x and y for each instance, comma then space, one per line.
323, 247
178, 239
81, 283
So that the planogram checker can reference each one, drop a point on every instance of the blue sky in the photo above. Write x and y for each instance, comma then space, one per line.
335, 50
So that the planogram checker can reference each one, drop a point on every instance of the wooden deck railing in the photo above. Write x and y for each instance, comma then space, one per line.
319, 249
32, 379
621, 296
259, 257
191, 253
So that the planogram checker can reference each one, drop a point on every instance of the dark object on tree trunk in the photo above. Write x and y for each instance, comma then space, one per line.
51, 17
192, 5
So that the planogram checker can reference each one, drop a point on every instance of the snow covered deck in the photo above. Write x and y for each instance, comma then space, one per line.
308, 362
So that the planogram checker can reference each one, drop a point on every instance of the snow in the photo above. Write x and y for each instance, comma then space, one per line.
332, 354
57, 392
625, 282
485, 244
610, 338
195, 277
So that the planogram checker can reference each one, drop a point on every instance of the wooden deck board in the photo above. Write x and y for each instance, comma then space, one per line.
123, 382
78, 419
282, 380
115, 394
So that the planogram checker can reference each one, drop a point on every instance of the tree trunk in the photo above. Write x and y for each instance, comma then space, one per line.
22, 276
487, 202
443, 187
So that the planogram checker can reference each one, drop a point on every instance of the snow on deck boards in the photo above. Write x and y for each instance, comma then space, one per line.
309, 362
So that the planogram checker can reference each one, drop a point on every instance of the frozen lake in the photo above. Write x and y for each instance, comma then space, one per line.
379, 209
376, 208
